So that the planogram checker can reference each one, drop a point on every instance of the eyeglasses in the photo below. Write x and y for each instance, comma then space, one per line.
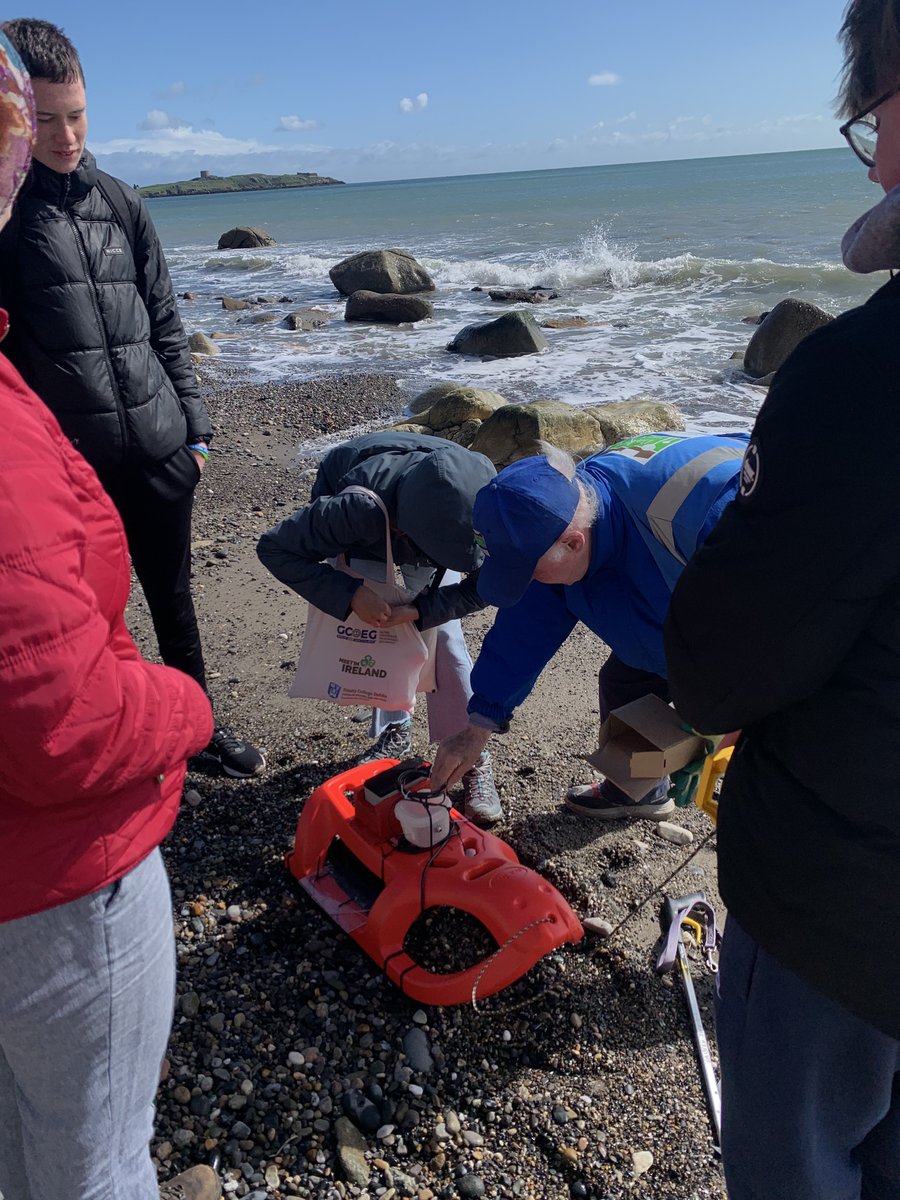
861, 131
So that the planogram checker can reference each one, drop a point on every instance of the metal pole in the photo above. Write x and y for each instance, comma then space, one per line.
710, 1083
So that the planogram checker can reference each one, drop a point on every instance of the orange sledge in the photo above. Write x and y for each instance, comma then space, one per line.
350, 855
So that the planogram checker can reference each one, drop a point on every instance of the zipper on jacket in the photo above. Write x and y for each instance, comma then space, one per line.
82, 250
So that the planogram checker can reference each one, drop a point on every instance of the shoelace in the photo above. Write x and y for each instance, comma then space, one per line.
390, 738
224, 739
478, 782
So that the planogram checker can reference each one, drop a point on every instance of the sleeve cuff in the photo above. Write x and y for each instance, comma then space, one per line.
482, 722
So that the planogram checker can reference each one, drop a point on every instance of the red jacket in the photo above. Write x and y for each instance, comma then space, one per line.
93, 739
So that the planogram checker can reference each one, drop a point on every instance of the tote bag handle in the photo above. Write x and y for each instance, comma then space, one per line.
356, 489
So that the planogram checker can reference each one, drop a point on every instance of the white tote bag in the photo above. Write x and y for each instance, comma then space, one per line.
350, 662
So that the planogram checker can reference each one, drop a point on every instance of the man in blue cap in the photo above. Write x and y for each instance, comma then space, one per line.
603, 543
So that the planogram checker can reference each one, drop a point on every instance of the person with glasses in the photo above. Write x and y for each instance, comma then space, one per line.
786, 624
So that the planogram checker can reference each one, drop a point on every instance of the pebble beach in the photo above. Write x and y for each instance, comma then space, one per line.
291, 1054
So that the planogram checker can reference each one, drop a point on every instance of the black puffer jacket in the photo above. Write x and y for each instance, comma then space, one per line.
94, 327
428, 486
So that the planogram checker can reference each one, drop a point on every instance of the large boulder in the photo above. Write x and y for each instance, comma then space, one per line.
390, 307
304, 319
412, 427
478, 402
786, 325
200, 343
515, 431
456, 412
631, 417
508, 336
386, 271
261, 318
245, 237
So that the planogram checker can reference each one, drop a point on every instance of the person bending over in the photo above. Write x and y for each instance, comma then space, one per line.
602, 543
428, 486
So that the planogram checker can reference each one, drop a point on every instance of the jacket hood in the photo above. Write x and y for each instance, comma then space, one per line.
434, 505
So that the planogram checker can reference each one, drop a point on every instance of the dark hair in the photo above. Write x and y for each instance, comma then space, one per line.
871, 38
44, 49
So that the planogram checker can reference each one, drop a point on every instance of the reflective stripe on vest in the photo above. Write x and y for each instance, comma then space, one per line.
663, 509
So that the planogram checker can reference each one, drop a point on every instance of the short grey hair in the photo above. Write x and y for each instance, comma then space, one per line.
588, 508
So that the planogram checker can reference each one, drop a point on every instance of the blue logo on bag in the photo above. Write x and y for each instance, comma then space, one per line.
334, 691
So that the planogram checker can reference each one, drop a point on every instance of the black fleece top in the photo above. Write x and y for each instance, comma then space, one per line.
786, 624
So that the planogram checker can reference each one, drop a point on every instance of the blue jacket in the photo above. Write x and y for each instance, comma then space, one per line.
659, 496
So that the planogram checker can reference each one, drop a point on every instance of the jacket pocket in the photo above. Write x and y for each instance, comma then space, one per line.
175, 477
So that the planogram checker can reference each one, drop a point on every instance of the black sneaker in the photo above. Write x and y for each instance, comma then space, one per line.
237, 758
588, 800
395, 741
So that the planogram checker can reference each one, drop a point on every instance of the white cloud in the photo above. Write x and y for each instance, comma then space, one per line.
604, 79
293, 123
157, 119
181, 139
790, 120
162, 153
407, 105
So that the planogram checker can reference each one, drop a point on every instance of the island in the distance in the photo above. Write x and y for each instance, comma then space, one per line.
207, 184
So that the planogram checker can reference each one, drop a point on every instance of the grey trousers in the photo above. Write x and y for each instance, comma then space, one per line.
86, 999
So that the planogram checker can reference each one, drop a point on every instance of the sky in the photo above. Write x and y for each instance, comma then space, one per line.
365, 91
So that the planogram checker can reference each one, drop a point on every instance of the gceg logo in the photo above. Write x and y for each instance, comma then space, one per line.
349, 633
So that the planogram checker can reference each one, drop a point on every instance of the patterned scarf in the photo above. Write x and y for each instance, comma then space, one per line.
873, 242
17, 125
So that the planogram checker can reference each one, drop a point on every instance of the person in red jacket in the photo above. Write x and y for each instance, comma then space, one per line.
94, 745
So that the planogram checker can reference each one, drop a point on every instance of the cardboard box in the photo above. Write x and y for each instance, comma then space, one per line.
640, 743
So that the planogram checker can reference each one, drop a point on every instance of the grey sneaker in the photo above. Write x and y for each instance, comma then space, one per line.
197, 1183
482, 803
590, 800
395, 741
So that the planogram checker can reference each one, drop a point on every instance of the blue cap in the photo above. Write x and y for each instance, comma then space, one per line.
518, 516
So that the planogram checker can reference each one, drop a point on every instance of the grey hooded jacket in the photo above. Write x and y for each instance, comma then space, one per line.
428, 486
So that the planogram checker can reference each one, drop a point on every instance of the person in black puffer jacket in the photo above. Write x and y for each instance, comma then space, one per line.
95, 331
786, 625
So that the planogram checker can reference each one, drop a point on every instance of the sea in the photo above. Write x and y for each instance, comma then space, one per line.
665, 260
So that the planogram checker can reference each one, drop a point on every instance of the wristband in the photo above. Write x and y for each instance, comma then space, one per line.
199, 448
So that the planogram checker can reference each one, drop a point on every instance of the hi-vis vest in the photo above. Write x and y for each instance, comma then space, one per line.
668, 482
